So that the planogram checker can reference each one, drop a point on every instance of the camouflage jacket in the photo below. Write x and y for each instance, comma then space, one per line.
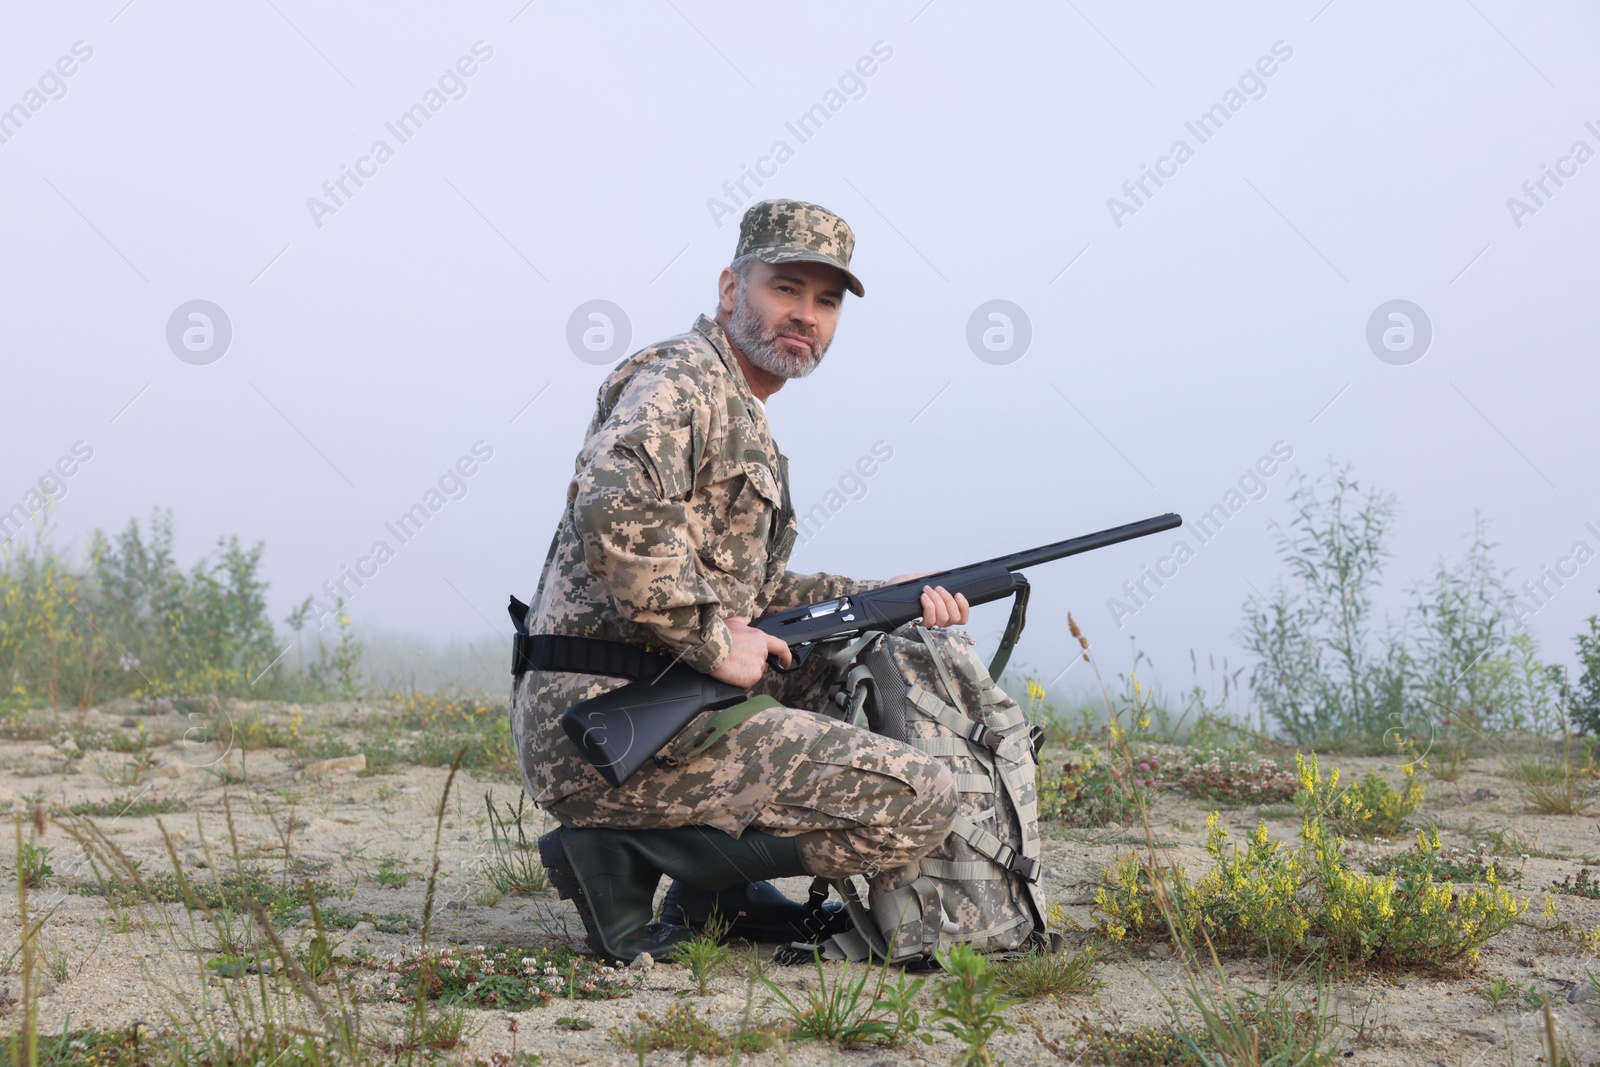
677, 516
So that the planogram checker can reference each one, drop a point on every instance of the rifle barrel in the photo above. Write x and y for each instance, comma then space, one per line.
1088, 542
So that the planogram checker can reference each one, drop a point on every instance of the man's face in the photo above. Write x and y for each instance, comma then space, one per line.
783, 315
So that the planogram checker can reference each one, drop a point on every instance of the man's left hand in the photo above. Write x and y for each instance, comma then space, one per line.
939, 608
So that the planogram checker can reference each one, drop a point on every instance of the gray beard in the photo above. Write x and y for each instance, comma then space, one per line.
765, 350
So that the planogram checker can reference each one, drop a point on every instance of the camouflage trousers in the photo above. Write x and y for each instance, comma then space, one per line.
860, 803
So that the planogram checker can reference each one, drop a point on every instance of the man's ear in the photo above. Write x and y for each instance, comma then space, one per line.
727, 290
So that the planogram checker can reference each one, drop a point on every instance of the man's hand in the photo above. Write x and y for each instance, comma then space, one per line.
939, 608
748, 661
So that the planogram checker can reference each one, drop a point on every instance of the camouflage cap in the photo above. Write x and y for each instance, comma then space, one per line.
789, 231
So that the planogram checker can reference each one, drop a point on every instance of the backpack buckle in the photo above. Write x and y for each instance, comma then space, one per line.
1011, 860
979, 734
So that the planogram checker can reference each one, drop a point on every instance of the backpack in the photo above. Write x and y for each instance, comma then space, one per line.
929, 689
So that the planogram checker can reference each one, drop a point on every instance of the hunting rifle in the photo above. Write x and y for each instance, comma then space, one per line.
619, 730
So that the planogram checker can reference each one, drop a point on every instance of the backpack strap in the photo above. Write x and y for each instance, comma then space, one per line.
986, 844
1008, 742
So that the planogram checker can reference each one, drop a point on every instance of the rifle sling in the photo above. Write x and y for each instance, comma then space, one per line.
727, 719
1014, 625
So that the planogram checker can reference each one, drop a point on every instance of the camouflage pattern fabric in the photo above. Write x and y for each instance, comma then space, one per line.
787, 231
861, 804
677, 516
992, 909
927, 688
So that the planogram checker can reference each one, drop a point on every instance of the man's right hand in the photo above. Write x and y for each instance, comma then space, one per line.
748, 661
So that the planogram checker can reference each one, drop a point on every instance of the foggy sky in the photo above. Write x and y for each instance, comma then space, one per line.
1180, 330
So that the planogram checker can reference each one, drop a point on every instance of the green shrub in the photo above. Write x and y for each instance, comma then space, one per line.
1319, 676
130, 622
1383, 809
1281, 900
704, 956
1330, 677
972, 1005
1429, 859
1586, 696
33, 864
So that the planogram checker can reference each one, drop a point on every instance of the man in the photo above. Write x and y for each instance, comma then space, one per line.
676, 533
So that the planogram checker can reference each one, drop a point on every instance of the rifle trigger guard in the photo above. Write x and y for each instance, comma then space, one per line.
800, 653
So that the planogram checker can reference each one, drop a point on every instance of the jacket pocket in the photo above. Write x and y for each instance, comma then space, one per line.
744, 503
668, 457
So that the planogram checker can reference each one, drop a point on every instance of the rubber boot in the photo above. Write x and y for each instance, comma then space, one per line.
757, 912
611, 877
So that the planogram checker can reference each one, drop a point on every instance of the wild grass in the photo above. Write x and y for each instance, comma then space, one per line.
129, 807
680, 1028
1050, 974
513, 866
1221, 1026
391, 875
1560, 778
839, 1011
269, 1000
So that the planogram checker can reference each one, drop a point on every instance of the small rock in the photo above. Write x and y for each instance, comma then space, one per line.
336, 765
642, 962
363, 929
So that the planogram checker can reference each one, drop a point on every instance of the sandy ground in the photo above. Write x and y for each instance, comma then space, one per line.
347, 824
